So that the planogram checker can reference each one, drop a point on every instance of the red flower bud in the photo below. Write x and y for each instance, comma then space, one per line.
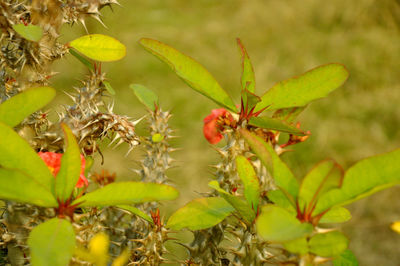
212, 129
53, 162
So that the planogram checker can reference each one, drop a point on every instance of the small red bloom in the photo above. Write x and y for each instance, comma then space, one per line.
212, 128
53, 162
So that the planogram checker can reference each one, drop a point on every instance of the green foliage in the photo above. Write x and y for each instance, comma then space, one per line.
30, 32
328, 244
136, 211
250, 181
347, 258
249, 100
299, 91
52, 243
20, 187
363, 179
99, 47
248, 79
145, 96
288, 114
275, 124
297, 246
122, 193
241, 205
283, 177
278, 225
280, 199
82, 59
324, 176
17, 108
109, 88
200, 214
194, 74
70, 168
15, 153
336, 215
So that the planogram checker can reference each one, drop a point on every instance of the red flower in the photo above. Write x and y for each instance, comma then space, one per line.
212, 126
53, 162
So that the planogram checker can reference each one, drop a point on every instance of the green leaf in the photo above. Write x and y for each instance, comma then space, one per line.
280, 199
30, 32
109, 88
275, 124
82, 59
52, 243
298, 246
249, 100
336, 215
16, 153
248, 77
70, 168
99, 47
288, 114
136, 211
18, 186
240, 205
122, 193
276, 224
328, 244
190, 71
323, 177
366, 177
346, 258
145, 96
200, 214
282, 175
250, 181
17, 108
299, 91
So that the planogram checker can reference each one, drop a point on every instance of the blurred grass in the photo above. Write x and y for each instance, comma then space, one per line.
284, 38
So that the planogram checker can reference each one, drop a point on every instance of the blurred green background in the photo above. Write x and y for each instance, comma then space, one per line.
283, 38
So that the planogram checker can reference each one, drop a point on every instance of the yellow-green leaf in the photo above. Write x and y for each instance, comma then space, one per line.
275, 124
200, 214
336, 215
99, 47
366, 177
20, 187
145, 96
248, 77
14, 110
70, 168
240, 205
190, 71
250, 181
30, 32
328, 244
300, 90
282, 175
122, 193
52, 243
276, 224
16, 153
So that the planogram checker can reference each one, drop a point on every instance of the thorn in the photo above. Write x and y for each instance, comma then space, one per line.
117, 136
82, 21
69, 95
137, 121
130, 149
119, 143
96, 17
